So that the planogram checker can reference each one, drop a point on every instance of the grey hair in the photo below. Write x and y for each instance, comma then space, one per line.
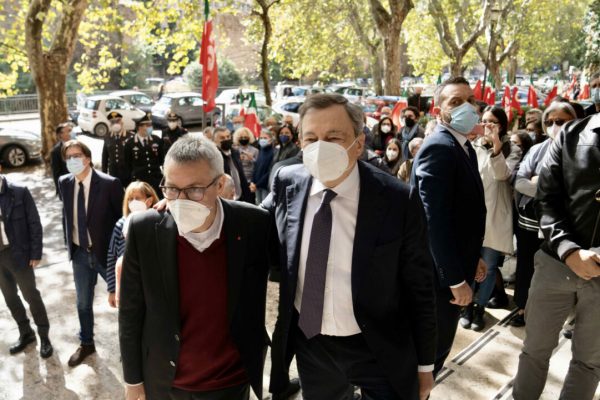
321, 101
267, 132
558, 106
192, 149
414, 143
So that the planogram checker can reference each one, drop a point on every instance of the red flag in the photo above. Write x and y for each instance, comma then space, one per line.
489, 96
553, 93
585, 93
515, 101
477, 90
571, 87
208, 60
397, 111
532, 100
432, 110
507, 98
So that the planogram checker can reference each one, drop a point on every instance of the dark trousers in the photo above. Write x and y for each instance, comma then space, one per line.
86, 268
528, 244
241, 392
447, 322
12, 279
330, 367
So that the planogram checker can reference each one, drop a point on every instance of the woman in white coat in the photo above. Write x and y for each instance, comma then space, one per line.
497, 158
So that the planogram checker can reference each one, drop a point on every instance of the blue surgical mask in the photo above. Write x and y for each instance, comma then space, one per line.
237, 126
596, 95
284, 139
75, 165
464, 118
149, 131
263, 142
532, 136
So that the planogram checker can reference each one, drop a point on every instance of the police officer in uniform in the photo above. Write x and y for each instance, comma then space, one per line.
113, 153
144, 154
173, 131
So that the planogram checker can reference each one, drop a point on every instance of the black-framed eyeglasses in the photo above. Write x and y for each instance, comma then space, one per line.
194, 193
558, 122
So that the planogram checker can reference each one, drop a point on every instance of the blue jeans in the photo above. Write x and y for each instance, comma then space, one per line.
86, 268
493, 260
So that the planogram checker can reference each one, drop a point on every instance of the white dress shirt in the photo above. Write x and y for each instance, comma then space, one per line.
86, 194
202, 240
338, 310
2, 231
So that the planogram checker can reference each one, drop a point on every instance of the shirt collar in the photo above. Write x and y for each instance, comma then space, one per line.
462, 139
202, 240
86, 181
348, 188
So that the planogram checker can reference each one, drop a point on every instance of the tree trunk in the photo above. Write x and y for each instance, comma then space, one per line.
405, 68
391, 48
456, 68
51, 82
513, 65
264, 55
377, 73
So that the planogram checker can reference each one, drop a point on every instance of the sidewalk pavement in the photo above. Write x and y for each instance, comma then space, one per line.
18, 117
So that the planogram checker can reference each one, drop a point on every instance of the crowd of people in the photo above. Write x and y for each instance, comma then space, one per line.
383, 241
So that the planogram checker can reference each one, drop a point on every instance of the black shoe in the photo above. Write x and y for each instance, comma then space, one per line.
500, 301
24, 340
46, 348
518, 320
568, 333
81, 354
292, 388
466, 316
478, 321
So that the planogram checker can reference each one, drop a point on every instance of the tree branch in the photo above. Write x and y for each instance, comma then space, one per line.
13, 48
382, 18
443, 28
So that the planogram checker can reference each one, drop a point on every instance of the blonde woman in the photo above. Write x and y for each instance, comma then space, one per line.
139, 196
243, 141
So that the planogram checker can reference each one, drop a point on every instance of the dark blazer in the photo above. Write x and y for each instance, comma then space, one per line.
105, 207
21, 223
452, 194
392, 273
58, 165
246, 195
149, 324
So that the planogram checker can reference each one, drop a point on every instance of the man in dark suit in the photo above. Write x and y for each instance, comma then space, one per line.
233, 164
446, 176
357, 301
58, 165
20, 252
92, 204
192, 310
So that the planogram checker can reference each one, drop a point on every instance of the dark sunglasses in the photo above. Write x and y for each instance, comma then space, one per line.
558, 121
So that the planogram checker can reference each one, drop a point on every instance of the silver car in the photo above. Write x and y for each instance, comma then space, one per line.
17, 146
187, 105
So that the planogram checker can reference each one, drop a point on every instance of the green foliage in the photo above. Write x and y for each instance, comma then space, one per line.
228, 74
592, 41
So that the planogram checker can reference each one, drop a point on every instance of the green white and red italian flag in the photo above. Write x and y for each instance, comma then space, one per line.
251, 120
208, 60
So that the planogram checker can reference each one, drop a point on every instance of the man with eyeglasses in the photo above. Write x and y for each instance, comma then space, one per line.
92, 204
192, 314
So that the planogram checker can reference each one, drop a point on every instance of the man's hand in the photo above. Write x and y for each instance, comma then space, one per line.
481, 272
425, 384
118, 270
135, 392
34, 263
161, 205
585, 263
252, 187
112, 300
535, 179
463, 295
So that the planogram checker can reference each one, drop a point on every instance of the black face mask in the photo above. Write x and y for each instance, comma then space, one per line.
226, 144
410, 122
244, 142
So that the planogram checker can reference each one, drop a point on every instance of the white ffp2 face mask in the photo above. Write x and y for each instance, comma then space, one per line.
553, 131
188, 214
137, 206
326, 161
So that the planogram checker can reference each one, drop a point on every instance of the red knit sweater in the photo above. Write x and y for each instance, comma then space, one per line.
208, 358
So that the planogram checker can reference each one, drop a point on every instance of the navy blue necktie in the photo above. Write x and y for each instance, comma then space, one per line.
313, 293
82, 218
472, 155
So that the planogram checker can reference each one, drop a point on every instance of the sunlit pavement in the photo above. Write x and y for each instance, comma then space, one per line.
481, 367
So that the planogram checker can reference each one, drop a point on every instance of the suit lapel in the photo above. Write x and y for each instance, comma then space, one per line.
296, 197
68, 202
368, 221
235, 238
465, 157
166, 241
94, 193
